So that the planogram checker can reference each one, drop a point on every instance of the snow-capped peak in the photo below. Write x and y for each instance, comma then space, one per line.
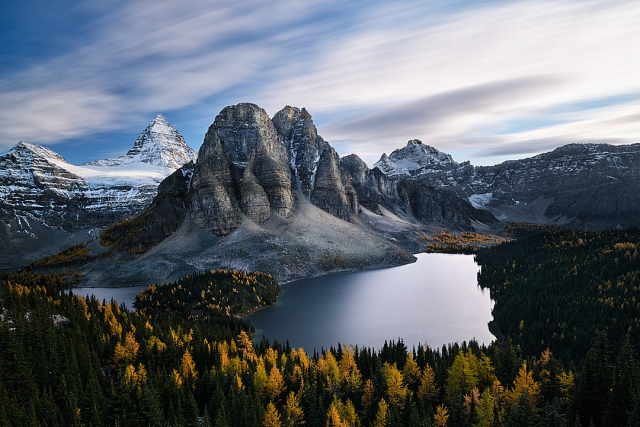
412, 158
160, 144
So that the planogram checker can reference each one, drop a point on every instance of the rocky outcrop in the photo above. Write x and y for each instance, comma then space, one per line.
242, 170
315, 164
158, 221
304, 146
432, 206
251, 167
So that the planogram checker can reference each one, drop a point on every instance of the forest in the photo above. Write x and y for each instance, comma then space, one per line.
185, 357
556, 289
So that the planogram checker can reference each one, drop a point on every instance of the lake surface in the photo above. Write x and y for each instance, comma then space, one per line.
435, 300
124, 295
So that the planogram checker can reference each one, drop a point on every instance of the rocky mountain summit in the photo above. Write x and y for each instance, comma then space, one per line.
270, 194
160, 144
47, 203
584, 185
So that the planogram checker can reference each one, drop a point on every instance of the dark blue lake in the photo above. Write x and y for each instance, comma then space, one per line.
435, 300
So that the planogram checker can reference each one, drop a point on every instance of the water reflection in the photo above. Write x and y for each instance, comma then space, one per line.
436, 300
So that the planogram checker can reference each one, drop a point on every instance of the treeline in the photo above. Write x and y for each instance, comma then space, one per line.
463, 243
67, 361
558, 288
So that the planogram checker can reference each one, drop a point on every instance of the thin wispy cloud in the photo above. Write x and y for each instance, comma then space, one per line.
480, 80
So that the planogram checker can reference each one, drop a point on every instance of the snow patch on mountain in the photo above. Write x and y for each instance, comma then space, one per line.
479, 201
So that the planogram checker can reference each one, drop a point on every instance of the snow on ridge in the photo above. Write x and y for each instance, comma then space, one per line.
22, 147
412, 158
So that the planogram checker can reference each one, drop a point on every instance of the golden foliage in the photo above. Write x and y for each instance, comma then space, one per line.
382, 417
523, 383
411, 371
271, 417
188, 368
396, 391
441, 417
428, 389
293, 413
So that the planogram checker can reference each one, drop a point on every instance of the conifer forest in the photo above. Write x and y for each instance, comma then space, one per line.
566, 353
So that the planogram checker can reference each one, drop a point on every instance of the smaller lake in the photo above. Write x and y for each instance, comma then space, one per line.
124, 295
435, 300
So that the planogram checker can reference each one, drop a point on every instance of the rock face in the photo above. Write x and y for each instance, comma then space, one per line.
47, 203
315, 164
586, 185
251, 167
272, 195
427, 204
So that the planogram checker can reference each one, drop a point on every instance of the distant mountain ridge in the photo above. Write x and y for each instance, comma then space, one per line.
48, 203
584, 185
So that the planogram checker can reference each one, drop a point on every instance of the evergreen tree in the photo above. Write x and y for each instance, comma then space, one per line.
595, 381
625, 382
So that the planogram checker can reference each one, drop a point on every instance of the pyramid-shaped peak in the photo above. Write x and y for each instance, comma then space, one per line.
160, 144
162, 126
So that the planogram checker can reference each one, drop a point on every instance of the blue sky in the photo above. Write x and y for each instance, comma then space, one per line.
485, 81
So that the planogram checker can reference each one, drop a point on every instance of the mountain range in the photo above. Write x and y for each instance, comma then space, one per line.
270, 194
48, 204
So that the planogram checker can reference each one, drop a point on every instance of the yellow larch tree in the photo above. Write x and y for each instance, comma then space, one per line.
472, 399
462, 375
293, 413
271, 417
487, 410
441, 417
348, 415
245, 347
523, 383
428, 390
275, 384
131, 345
396, 391
188, 368
347, 364
411, 372
382, 417
367, 396
238, 386
261, 380
333, 417
119, 354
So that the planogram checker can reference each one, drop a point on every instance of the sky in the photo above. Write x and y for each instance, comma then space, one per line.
485, 81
